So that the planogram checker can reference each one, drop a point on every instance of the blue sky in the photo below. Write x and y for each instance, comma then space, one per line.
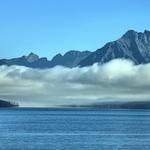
47, 27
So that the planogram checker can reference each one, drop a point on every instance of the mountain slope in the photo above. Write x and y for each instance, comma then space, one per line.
132, 45
69, 59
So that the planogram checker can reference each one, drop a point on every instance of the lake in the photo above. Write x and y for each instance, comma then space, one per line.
74, 129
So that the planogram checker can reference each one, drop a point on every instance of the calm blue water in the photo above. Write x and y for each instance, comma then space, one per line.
74, 129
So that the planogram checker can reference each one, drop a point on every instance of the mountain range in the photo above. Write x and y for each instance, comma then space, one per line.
132, 45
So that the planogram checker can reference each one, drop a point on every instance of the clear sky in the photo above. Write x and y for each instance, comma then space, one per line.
47, 27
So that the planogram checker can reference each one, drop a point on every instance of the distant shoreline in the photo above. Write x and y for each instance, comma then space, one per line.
98, 106
115, 105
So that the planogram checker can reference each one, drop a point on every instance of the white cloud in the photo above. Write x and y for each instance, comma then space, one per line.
118, 80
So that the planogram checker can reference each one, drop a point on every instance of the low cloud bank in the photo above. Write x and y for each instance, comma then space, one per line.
117, 80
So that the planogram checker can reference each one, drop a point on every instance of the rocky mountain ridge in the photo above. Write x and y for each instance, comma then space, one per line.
132, 45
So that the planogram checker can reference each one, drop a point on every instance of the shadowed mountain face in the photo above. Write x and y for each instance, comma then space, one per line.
32, 60
70, 59
132, 45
